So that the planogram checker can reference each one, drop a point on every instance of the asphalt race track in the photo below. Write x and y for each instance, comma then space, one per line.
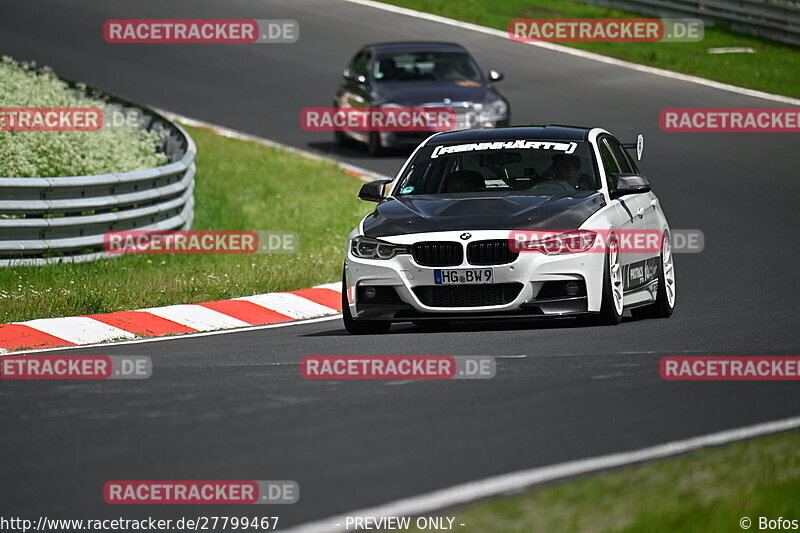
233, 406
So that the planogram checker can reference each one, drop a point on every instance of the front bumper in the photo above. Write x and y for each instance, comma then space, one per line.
405, 290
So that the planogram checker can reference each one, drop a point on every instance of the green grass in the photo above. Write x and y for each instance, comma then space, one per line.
240, 186
774, 68
705, 491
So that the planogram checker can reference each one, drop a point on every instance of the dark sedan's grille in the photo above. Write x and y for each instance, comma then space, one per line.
467, 295
437, 254
494, 252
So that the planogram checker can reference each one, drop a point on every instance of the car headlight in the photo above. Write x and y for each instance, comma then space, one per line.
492, 112
497, 109
572, 242
366, 248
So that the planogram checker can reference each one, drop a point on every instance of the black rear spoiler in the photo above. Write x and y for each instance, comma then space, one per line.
638, 146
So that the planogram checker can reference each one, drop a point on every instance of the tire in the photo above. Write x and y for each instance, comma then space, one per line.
664, 305
612, 305
341, 139
360, 327
374, 147
339, 136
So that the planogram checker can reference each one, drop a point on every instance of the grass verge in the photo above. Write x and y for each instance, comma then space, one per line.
707, 490
239, 186
774, 68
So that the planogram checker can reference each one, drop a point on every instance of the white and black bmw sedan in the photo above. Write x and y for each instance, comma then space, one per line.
512, 222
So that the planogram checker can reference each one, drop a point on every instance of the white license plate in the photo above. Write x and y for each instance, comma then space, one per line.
462, 276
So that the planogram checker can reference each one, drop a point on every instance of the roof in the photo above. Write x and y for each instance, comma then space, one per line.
415, 46
548, 133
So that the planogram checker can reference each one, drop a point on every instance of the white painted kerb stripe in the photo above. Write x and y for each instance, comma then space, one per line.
291, 305
335, 286
78, 329
494, 486
197, 317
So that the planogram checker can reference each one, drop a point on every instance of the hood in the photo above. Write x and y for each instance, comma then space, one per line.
411, 93
506, 211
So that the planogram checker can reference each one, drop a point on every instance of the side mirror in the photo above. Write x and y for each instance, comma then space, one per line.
373, 191
622, 184
495, 75
349, 76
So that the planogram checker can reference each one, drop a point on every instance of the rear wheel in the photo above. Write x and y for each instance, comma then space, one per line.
665, 297
360, 327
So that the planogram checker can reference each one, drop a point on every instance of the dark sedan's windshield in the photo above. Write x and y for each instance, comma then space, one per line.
536, 167
430, 66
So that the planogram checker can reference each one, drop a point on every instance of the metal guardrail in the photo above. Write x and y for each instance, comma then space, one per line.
774, 20
52, 220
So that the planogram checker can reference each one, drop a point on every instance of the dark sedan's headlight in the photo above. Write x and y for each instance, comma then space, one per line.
495, 110
366, 248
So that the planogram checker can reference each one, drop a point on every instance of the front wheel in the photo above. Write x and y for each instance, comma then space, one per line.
665, 297
375, 147
611, 307
340, 138
360, 327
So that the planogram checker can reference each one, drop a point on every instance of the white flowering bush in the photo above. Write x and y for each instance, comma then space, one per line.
47, 154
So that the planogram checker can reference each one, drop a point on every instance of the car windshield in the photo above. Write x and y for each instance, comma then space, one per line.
427, 66
537, 167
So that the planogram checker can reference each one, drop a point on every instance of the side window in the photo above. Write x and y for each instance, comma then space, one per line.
357, 64
623, 161
631, 161
360, 64
609, 164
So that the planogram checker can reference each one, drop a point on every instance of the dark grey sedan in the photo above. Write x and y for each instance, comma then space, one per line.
419, 74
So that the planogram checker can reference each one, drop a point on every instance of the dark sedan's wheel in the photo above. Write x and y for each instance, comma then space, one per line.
665, 297
339, 136
375, 147
341, 139
360, 327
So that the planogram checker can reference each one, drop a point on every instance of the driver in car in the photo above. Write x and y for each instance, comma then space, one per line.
446, 71
387, 70
568, 168
464, 181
